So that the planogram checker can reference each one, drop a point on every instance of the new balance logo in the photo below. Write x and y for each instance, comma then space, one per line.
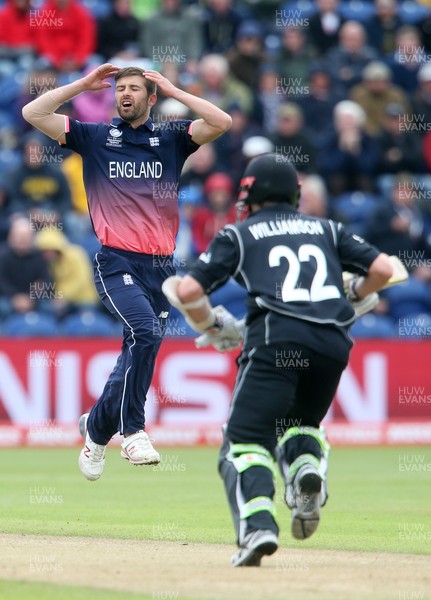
164, 314
127, 278
154, 141
87, 452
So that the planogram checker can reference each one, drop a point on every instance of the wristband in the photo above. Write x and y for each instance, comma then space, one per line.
352, 294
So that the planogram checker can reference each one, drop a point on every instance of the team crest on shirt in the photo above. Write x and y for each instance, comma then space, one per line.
127, 278
114, 138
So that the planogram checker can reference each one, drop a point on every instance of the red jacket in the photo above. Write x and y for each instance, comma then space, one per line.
65, 33
206, 224
15, 29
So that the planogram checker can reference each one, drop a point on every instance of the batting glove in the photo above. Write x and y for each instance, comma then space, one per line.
361, 305
225, 334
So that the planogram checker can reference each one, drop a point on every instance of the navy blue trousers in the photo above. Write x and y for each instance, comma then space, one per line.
129, 285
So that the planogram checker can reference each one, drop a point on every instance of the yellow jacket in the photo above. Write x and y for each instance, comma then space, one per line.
71, 268
72, 168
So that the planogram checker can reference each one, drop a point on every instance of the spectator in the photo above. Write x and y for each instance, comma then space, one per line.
118, 31
38, 81
189, 199
408, 57
348, 158
255, 146
169, 110
5, 213
383, 26
17, 36
171, 71
324, 26
319, 102
71, 167
295, 57
172, 34
268, 98
10, 152
398, 226
247, 56
229, 147
24, 278
375, 93
68, 43
200, 165
220, 210
421, 100
427, 150
351, 56
314, 197
292, 140
71, 272
219, 87
38, 185
399, 150
424, 27
220, 24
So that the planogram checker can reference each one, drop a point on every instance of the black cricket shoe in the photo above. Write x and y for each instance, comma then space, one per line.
256, 544
307, 494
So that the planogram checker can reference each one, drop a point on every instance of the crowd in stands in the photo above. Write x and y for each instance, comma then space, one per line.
340, 88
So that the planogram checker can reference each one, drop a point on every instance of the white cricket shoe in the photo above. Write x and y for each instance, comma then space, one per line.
256, 544
307, 487
138, 449
92, 457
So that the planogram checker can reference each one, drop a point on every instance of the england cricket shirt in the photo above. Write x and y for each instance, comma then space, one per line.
131, 178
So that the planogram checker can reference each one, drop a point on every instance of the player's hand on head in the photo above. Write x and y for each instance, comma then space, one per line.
163, 85
97, 79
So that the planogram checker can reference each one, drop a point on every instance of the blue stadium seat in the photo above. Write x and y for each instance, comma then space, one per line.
413, 296
91, 245
373, 326
9, 160
412, 12
87, 323
10, 89
31, 324
385, 183
415, 326
355, 208
98, 8
298, 9
421, 184
357, 10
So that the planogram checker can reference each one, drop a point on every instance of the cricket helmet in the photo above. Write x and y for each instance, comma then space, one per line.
268, 178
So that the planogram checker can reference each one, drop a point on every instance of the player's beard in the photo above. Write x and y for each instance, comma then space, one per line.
134, 113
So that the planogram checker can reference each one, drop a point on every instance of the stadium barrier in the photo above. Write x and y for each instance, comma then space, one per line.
384, 395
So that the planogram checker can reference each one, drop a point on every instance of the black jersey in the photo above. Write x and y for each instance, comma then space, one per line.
291, 265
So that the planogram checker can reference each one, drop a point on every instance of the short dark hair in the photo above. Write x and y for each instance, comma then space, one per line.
130, 71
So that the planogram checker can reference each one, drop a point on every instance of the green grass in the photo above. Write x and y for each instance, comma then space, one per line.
20, 590
373, 505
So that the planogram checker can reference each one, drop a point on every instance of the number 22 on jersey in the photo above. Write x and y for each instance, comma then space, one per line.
318, 290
